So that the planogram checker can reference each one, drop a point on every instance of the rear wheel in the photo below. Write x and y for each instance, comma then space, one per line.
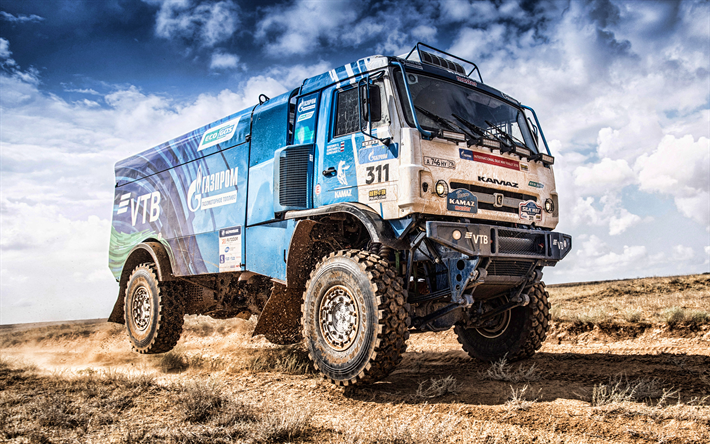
153, 313
515, 334
355, 319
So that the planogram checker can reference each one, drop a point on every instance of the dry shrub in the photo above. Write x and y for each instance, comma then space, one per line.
633, 315
592, 316
290, 359
288, 422
502, 371
174, 361
435, 388
520, 399
425, 427
620, 390
201, 400
678, 316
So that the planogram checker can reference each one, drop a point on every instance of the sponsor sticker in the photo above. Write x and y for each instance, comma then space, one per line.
530, 210
344, 193
466, 81
377, 153
489, 159
462, 200
536, 184
305, 116
210, 183
439, 162
497, 182
523, 167
374, 195
218, 134
335, 148
342, 178
230, 249
318, 190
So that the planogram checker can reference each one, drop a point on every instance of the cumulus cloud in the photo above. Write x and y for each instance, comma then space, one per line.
57, 186
207, 23
223, 60
20, 18
5, 52
295, 28
612, 214
680, 168
607, 175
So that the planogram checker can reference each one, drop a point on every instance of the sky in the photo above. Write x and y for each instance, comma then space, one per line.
622, 90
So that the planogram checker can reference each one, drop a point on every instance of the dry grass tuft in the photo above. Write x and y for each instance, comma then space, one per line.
425, 427
174, 361
675, 316
437, 387
289, 359
200, 400
520, 399
649, 300
502, 371
620, 390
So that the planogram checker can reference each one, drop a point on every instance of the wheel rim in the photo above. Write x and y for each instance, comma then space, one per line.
339, 318
497, 325
141, 308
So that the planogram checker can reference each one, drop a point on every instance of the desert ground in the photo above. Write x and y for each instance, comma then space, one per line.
625, 362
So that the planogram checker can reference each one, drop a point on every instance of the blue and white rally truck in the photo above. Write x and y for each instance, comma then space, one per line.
390, 195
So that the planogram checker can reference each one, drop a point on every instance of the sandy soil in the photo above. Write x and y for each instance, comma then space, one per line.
556, 406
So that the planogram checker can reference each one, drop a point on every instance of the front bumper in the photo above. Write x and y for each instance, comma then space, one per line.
501, 242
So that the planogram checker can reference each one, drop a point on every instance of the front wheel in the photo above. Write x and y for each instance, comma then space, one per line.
515, 334
153, 313
355, 319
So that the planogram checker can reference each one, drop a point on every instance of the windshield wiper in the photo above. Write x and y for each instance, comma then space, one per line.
479, 130
501, 132
446, 122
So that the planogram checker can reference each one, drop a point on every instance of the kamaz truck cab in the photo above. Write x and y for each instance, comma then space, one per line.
390, 195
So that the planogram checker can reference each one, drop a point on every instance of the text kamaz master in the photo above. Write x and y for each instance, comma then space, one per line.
388, 196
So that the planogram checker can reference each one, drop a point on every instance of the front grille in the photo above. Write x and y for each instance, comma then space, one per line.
489, 191
491, 207
293, 173
518, 242
509, 267
511, 199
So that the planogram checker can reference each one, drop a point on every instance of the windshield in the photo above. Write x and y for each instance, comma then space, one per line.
445, 105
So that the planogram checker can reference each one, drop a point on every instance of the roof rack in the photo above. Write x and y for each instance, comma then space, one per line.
433, 59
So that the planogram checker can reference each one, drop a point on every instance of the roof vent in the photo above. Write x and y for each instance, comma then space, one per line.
435, 60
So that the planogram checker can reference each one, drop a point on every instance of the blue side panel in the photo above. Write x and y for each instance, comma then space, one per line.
184, 207
270, 129
268, 246
334, 76
261, 192
181, 150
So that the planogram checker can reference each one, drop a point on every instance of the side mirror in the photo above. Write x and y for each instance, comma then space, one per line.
372, 110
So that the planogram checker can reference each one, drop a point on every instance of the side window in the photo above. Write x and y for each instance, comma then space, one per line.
346, 115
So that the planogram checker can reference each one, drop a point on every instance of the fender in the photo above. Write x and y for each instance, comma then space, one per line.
380, 231
148, 251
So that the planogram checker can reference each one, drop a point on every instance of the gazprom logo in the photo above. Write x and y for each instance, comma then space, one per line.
218, 134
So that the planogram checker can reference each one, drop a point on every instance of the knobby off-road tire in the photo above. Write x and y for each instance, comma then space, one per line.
355, 317
521, 337
153, 311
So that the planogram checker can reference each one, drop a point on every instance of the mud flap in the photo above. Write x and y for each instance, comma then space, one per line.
280, 320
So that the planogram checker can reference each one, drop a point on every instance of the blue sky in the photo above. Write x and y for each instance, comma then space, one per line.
622, 90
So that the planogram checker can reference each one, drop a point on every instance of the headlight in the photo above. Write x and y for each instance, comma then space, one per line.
549, 205
442, 189
456, 235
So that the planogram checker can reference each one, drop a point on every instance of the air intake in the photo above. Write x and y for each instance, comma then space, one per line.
435, 60
291, 170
